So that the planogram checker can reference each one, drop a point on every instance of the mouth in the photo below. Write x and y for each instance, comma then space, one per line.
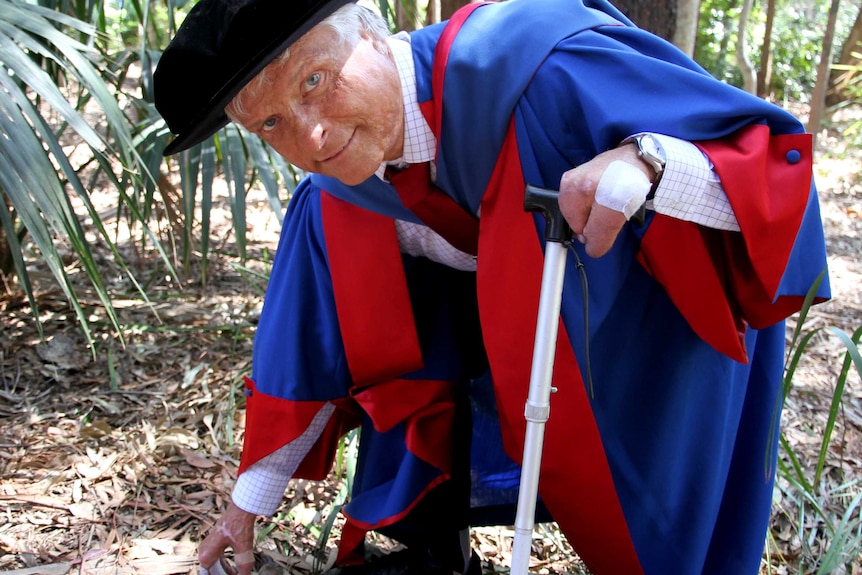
338, 153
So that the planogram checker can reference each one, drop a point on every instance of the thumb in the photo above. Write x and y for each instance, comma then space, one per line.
215, 569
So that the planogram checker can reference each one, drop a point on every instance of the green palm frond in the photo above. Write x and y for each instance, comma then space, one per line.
54, 66
36, 177
243, 159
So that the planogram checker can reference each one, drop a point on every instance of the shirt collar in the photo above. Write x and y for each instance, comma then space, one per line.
420, 145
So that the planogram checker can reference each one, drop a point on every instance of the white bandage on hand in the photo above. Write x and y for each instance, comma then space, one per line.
623, 188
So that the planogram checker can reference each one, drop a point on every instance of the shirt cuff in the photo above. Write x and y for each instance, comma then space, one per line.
259, 491
261, 487
690, 189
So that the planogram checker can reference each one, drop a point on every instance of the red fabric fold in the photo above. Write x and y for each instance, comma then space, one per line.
509, 283
722, 282
749, 164
434, 112
354, 531
376, 350
427, 410
427, 407
380, 341
436, 210
678, 256
272, 422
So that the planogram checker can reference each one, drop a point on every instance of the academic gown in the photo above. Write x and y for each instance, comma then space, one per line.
668, 466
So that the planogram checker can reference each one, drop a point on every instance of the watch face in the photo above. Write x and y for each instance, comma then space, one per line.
651, 146
652, 151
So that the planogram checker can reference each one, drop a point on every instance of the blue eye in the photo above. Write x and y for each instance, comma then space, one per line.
269, 124
313, 80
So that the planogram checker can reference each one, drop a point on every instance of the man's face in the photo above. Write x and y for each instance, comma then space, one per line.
331, 108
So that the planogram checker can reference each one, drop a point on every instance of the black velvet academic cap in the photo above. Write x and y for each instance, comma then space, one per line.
219, 48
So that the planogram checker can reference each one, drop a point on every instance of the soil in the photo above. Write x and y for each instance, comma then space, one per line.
118, 457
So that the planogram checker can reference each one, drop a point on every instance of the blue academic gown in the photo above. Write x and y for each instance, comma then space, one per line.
669, 467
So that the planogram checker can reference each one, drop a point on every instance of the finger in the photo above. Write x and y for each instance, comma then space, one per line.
210, 549
601, 230
577, 194
235, 529
244, 562
209, 556
216, 568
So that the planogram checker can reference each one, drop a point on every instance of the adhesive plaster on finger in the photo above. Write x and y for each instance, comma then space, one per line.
244, 558
623, 188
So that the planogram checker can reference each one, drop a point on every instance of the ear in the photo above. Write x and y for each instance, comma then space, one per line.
379, 44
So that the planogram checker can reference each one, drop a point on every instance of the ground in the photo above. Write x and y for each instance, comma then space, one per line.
119, 457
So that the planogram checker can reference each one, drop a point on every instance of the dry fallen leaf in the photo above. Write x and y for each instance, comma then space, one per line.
197, 460
84, 510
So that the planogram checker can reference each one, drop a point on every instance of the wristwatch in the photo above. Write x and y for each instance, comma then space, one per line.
651, 152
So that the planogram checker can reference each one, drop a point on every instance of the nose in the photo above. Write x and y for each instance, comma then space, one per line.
317, 136
313, 130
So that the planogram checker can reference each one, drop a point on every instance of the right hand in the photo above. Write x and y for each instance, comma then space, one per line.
234, 529
592, 224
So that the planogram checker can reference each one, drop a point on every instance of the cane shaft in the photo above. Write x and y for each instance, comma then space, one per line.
537, 409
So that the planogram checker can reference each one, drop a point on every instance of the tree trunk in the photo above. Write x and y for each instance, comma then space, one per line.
673, 20
749, 74
685, 32
432, 13
658, 17
764, 77
448, 7
407, 15
840, 78
723, 47
439, 10
818, 98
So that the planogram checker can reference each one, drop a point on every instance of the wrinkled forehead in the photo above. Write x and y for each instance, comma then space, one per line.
321, 43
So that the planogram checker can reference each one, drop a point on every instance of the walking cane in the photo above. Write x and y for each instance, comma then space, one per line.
557, 239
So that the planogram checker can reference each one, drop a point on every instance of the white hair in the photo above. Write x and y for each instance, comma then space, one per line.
350, 23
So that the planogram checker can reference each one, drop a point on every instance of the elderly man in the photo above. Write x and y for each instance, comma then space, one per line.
404, 293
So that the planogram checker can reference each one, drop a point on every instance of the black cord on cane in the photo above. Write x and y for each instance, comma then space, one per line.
546, 203
585, 291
